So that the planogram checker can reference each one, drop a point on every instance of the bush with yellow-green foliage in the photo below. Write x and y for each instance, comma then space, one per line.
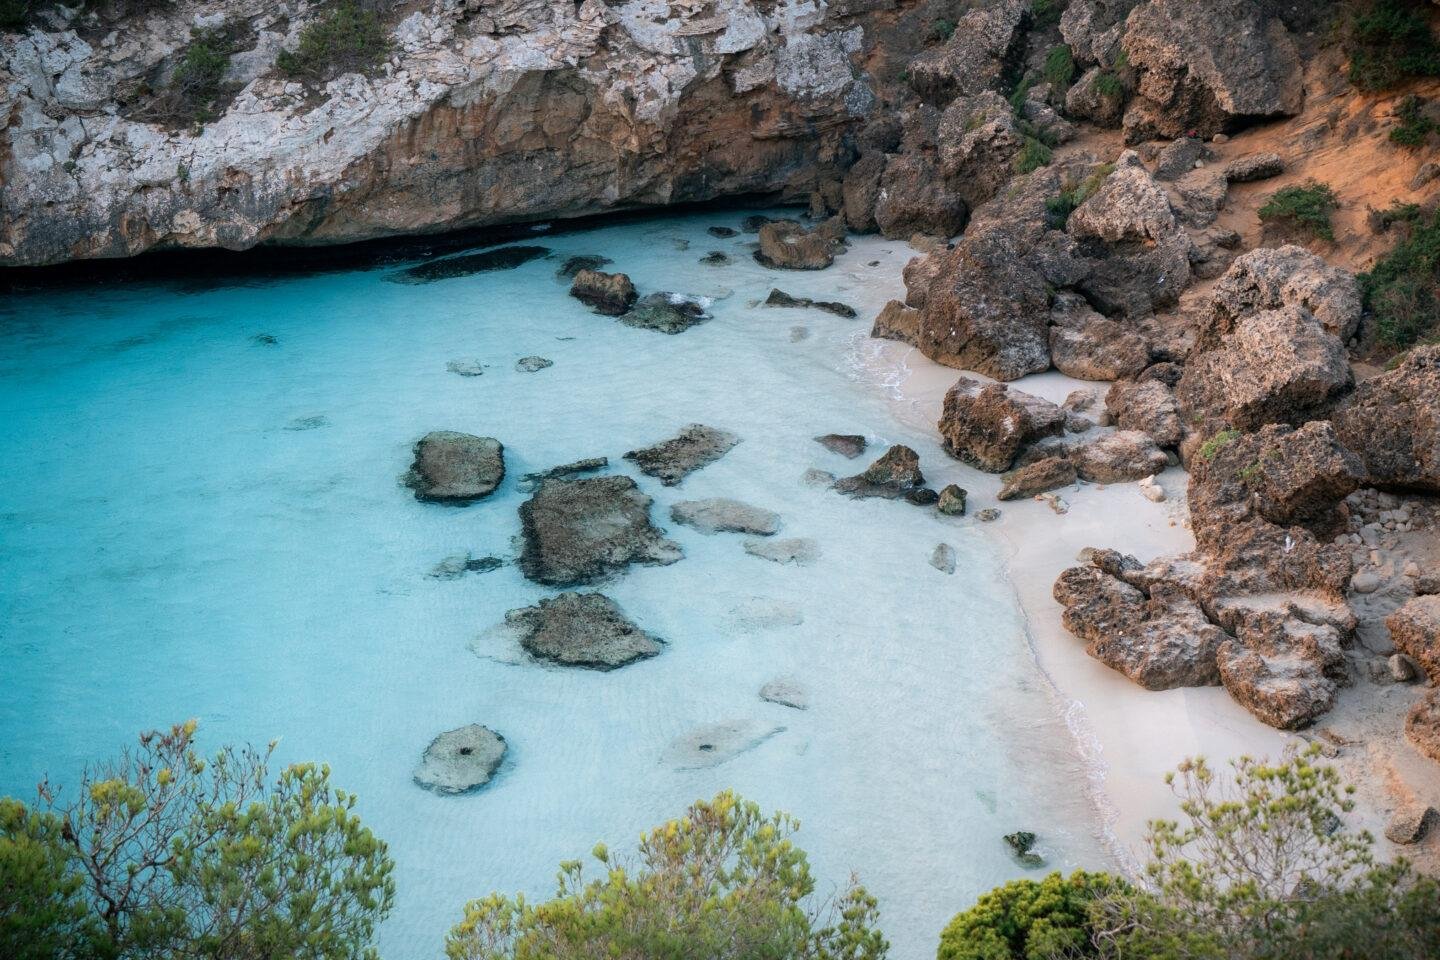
1028, 920
724, 882
167, 854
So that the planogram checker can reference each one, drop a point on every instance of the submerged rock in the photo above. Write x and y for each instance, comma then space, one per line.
667, 312
850, 445
761, 613
581, 630
564, 470
779, 298
574, 265
582, 531
722, 232
673, 460
717, 258
453, 568
943, 558
787, 693
610, 294
505, 258
894, 476
714, 743
799, 551
455, 468
721, 515
466, 368
532, 364
1021, 844
461, 760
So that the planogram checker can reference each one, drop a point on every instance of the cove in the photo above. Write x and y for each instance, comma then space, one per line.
204, 516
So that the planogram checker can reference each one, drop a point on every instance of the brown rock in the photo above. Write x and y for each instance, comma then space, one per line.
915, 198
581, 630
1119, 457
984, 43
1415, 629
1255, 166
1393, 422
1086, 346
952, 501
1271, 278
609, 293
673, 460
849, 445
1422, 725
861, 189
787, 245
582, 531
456, 468
1283, 670
987, 426
1410, 823
897, 322
1148, 406
894, 476
1038, 477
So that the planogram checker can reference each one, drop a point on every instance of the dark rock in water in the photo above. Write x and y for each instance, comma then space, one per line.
786, 245
988, 515
461, 760
582, 531
581, 630
574, 265
754, 222
466, 368
456, 468
301, 424
610, 294
453, 568
588, 465
1021, 843
721, 515
265, 340
800, 551
505, 258
922, 497
952, 501
673, 460
666, 312
723, 232
894, 476
846, 444
817, 478
716, 258
532, 364
779, 298
787, 693
714, 743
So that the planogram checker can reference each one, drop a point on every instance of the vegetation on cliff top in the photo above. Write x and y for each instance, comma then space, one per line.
1389, 42
1402, 289
1304, 209
350, 38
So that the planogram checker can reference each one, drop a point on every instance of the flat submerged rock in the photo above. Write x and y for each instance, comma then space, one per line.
673, 460
722, 515
582, 531
582, 630
461, 760
455, 468
505, 258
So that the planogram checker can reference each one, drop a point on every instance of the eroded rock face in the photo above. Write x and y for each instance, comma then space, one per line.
456, 468
461, 760
897, 321
1282, 669
1415, 628
1087, 346
1049, 473
984, 44
523, 110
1119, 457
1422, 725
1270, 278
581, 630
915, 198
673, 460
582, 531
1148, 406
1392, 422
988, 426
1206, 67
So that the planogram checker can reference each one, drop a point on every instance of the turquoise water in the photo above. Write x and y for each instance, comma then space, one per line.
202, 517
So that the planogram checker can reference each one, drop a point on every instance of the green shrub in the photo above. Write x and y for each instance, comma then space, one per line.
1059, 67
1390, 42
164, 853
1028, 920
349, 39
941, 30
1033, 156
1413, 127
1109, 85
1305, 208
1217, 443
722, 883
1046, 13
1059, 207
197, 91
1402, 290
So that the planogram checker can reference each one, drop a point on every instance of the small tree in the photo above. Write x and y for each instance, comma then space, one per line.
723, 882
166, 854
1028, 920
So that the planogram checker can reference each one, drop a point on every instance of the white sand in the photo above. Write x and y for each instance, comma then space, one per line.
1130, 736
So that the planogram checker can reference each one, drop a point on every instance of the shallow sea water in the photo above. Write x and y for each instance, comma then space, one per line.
202, 517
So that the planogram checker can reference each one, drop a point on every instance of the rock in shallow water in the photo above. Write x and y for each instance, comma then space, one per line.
779, 298
565, 470
455, 468
582, 531
581, 630
453, 568
849, 445
667, 312
532, 364
610, 294
574, 265
894, 476
722, 515
505, 258
466, 368
461, 760
715, 743
762, 613
673, 460
800, 551
787, 693
943, 559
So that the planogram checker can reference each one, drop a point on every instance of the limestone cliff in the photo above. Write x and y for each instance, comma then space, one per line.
486, 111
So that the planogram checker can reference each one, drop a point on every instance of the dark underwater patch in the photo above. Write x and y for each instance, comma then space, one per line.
487, 261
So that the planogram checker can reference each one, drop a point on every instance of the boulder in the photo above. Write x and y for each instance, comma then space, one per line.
952, 501
1096, 96
896, 475
861, 190
608, 293
722, 515
779, 298
1275, 366
1272, 278
1415, 630
897, 321
1093, 28
987, 426
1282, 669
1254, 166
1206, 68
666, 312
985, 44
532, 364
1393, 422
1160, 641
1148, 406
461, 760
1179, 157
849, 445
799, 551
456, 468
942, 558
581, 630
979, 139
1410, 823
582, 531
1049, 473
1119, 457
673, 460
1422, 725
787, 245
915, 198
1087, 346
